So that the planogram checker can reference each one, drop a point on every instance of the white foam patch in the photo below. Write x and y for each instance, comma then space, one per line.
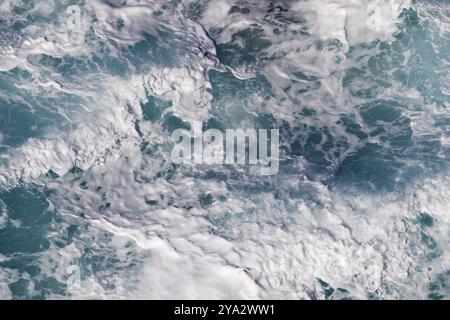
204, 272
353, 21
187, 89
3, 215
350, 21
271, 248
136, 17
98, 133
55, 38
7, 276
5, 293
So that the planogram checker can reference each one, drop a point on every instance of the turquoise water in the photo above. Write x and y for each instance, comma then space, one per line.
358, 209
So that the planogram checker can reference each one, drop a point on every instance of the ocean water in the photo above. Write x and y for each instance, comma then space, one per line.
91, 205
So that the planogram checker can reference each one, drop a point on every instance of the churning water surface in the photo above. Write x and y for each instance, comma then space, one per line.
91, 205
